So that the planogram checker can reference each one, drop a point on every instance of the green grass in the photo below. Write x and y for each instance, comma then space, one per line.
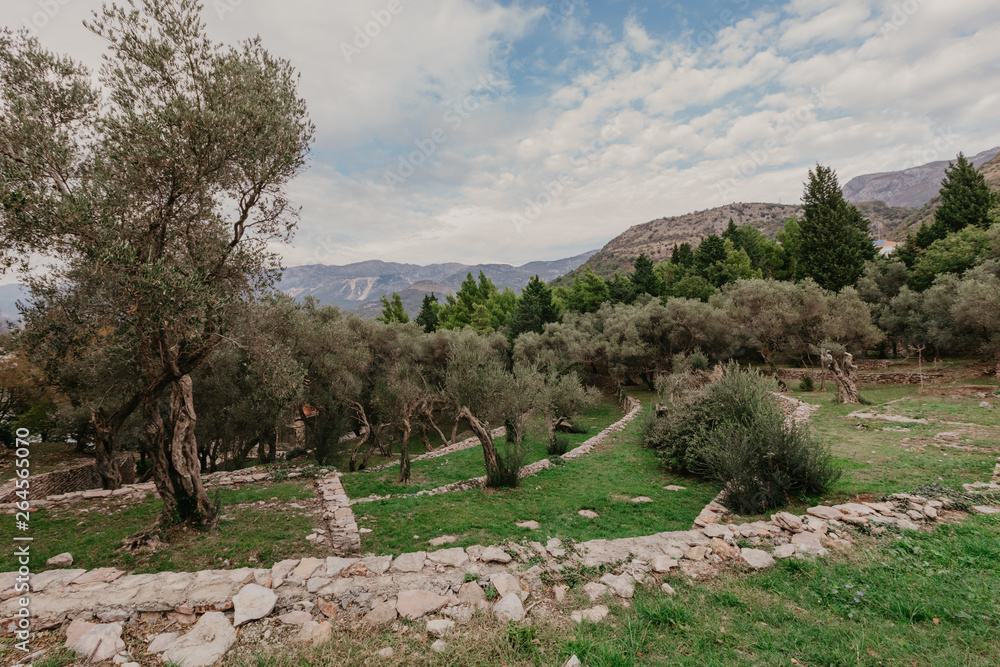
877, 462
605, 481
928, 600
468, 463
45, 457
267, 534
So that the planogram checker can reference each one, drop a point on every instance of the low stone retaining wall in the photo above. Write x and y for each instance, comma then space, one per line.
864, 379
79, 478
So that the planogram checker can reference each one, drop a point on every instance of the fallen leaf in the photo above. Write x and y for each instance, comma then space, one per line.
937, 621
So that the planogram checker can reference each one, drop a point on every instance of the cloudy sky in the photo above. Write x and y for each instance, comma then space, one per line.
501, 131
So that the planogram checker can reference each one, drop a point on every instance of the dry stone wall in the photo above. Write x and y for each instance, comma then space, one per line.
83, 477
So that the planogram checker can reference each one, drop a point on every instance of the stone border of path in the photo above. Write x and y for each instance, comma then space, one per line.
527, 471
468, 443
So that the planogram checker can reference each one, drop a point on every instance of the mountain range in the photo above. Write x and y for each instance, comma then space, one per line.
893, 202
359, 286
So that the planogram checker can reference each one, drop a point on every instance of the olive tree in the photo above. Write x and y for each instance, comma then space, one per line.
158, 196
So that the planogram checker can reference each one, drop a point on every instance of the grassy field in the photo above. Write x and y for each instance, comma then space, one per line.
258, 528
45, 457
468, 463
605, 481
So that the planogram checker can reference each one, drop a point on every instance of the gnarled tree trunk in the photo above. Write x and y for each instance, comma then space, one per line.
845, 374
483, 433
176, 468
404, 450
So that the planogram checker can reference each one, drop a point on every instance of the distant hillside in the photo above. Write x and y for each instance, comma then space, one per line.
910, 188
359, 286
657, 238
990, 170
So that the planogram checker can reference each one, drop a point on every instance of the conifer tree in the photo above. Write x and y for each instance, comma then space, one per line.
534, 309
392, 310
835, 239
965, 198
428, 317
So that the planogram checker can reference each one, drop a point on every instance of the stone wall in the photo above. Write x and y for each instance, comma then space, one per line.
77, 478
866, 379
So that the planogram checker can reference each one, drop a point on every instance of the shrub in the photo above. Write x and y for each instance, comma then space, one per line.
558, 446
572, 426
509, 462
739, 397
734, 433
807, 384
760, 466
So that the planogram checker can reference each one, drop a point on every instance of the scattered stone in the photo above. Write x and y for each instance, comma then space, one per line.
315, 633
509, 609
305, 570
696, 553
162, 642
663, 564
62, 560
461, 614
588, 514
824, 512
449, 557
595, 591
411, 562
329, 609
573, 662
807, 540
559, 592
984, 509
205, 644
295, 618
444, 539
382, 614
77, 629
987, 405
786, 551
789, 522
439, 646
386, 652
471, 593
376, 565
756, 558
99, 642
620, 585
495, 555
530, 525
414, 604
252, 602
724, 550
335, 566
439, 627
674, 487
642, 499
592, 615
507, 584
715, 530
668, 589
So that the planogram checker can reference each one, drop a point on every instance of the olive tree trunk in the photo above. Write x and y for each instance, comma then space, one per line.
845, 374
176, 468
483, 433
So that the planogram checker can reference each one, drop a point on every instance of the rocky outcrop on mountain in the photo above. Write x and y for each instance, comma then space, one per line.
911, 188
359, 286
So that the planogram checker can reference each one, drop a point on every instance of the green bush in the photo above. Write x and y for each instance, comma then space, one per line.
733, 432
680, 436
509, 462
807, 384
763, 465
558, 446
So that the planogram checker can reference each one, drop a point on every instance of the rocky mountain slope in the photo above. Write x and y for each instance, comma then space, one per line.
359, 286
657, 238
910, 188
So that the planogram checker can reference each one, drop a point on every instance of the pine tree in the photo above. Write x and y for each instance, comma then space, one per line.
712, 249
393, 311
428, 317
682, 255
965, 198
533, 311
835, 237
644, 278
